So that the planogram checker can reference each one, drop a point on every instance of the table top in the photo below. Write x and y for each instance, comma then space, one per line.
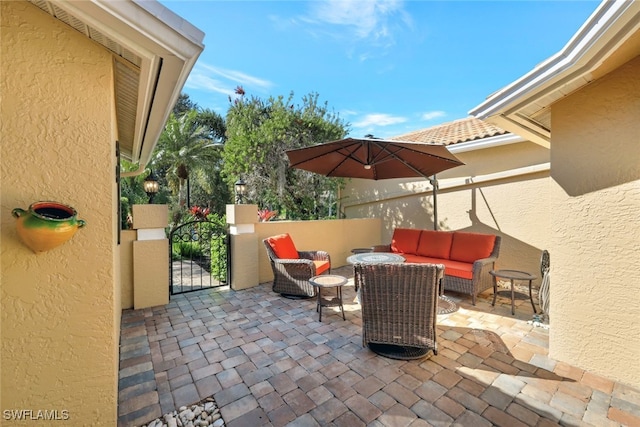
512, 274
328, 281
375, 258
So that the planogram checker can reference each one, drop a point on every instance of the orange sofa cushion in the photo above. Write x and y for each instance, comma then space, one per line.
321, 266
436, 244
451, 268
470, 247
414, 258
283, 246
405, 240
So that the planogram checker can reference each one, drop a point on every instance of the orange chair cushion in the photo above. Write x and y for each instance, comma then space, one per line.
435, 244
321, 266
405, 240
469, 247
283, 246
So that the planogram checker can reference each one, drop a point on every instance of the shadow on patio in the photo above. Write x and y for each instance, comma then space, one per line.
266, 360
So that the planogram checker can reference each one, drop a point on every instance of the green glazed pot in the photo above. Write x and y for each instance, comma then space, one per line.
46, 225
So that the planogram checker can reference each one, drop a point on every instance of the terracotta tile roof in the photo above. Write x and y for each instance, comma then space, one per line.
462, 130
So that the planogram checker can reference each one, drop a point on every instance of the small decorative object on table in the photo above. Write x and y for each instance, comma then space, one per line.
46, 225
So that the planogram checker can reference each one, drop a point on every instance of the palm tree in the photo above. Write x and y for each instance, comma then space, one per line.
184, 148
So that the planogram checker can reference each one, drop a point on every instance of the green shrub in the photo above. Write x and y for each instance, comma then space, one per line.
181, 250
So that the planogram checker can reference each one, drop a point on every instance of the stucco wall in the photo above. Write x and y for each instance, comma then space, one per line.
595, 200
500, 190
59, 308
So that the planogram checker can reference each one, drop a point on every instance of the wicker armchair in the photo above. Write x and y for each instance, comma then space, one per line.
291, 275
399, 305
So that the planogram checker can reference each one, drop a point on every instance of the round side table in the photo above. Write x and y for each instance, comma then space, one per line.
326, 281
512, 275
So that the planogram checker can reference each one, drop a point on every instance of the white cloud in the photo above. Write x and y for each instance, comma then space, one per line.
370, 20
199, 81
379, 120
221, 80
237, 76
430, 115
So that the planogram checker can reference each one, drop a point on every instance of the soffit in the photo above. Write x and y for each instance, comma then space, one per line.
154, 51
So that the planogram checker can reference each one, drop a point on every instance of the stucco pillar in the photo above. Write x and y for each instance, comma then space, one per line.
150, 256
244, 245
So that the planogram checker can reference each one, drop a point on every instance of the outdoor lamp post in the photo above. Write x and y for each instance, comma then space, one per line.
241, 188
151, 186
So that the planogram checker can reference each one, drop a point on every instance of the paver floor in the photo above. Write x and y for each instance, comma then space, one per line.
266, 360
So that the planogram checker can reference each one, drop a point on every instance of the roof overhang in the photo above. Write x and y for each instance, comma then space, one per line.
609, 38
154, 51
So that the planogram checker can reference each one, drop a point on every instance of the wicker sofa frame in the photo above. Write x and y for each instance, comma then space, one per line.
399, 305
481, 279
291, 276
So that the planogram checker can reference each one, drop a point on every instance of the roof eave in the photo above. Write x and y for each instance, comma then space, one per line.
168, 47
607, 28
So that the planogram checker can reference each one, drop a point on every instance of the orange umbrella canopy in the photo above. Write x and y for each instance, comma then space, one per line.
374, 159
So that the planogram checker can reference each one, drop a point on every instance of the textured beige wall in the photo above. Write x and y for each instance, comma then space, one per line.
126, 267
495, 192
59, 333
244, 253
594, 201
150, 273
337, 237
150, 216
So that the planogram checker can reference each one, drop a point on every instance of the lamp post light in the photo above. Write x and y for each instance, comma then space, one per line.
241, 188
151, 186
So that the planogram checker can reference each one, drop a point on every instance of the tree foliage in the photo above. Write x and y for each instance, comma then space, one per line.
184, 150
260, 132
183, 105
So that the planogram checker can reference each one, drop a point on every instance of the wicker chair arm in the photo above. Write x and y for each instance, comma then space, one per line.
315, 255
381, 248
298, 268
483, 265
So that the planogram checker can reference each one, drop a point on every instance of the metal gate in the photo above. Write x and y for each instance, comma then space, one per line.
199, 256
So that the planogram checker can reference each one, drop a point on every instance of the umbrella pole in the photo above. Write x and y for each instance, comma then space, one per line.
434, 183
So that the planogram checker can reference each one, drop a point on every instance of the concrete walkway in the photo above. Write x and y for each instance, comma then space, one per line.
266, 360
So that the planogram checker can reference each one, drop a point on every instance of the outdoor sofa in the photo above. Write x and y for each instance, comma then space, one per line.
467, 257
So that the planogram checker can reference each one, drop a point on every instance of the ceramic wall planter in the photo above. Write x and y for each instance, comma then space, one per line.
46, 225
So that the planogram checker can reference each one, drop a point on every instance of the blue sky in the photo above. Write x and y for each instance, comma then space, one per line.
385, 67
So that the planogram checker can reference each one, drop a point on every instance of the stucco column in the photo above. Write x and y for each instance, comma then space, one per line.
244, 245
150, 256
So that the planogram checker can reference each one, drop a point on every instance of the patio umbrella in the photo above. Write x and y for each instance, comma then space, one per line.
368, 158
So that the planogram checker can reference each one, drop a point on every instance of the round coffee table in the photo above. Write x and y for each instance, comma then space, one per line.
329, 281
512, 275
375, 258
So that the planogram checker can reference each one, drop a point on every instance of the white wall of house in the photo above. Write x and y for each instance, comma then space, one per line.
594, 200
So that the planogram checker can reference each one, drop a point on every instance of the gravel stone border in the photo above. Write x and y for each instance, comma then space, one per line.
202, 414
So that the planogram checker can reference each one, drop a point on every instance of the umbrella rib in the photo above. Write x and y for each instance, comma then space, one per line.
392, 154
349, 155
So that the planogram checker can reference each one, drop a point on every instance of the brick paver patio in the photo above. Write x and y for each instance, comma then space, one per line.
266, 360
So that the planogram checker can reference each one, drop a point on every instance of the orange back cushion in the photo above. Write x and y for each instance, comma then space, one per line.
283, 246
435, 244
405, 240
469, 247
